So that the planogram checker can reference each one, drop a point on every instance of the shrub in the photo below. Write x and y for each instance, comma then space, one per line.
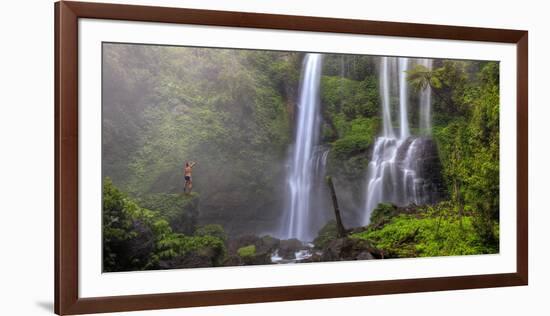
247, 251
214, 230
129, 231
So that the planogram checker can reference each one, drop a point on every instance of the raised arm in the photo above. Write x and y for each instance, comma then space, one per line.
192, 164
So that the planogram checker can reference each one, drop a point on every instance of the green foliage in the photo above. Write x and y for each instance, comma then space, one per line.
469, 143
350, 97
175, 245
129, 231
229, 110
354, 67
328, 233
233, 101
181, 210
247, 251
420, 78
358, 136
438, 232
123, 108
214, 230
350, 102
135, 238
169, 205
382, 212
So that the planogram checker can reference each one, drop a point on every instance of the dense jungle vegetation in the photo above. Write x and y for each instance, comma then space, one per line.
232, 111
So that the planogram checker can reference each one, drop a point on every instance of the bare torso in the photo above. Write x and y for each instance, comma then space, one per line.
188, 171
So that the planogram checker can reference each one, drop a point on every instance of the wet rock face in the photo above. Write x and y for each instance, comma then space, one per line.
420, 155
428, 166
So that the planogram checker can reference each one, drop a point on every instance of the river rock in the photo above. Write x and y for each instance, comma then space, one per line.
350, 249
289, 247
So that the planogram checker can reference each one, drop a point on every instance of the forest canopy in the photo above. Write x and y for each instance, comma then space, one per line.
234, 112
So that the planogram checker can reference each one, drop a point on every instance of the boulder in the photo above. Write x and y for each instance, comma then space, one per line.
350, 249
250, 250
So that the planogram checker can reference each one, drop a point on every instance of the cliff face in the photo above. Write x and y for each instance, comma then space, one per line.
180, 210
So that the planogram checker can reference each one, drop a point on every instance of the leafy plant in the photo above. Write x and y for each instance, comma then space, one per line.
135, 238
247, 251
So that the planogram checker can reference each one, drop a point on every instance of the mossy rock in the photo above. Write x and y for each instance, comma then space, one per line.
250, 250
383, 212
326, 234
249, 255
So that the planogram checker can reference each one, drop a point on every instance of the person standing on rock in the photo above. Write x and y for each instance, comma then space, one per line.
187, 175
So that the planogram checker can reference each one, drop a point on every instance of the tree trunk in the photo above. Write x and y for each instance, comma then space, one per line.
339, 225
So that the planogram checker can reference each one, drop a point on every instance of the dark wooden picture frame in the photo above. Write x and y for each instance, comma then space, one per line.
67, 14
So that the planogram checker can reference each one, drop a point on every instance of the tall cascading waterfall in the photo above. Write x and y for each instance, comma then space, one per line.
306, 158
399, 170
403, 98
426, 102
385, 94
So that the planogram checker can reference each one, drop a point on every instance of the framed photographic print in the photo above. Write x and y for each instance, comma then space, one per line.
212, 157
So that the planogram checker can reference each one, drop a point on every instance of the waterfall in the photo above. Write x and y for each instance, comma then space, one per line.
385, 94
403, 98
426, 102
303, 160
397, 171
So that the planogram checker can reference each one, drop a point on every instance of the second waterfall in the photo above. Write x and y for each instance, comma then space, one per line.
402, 168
